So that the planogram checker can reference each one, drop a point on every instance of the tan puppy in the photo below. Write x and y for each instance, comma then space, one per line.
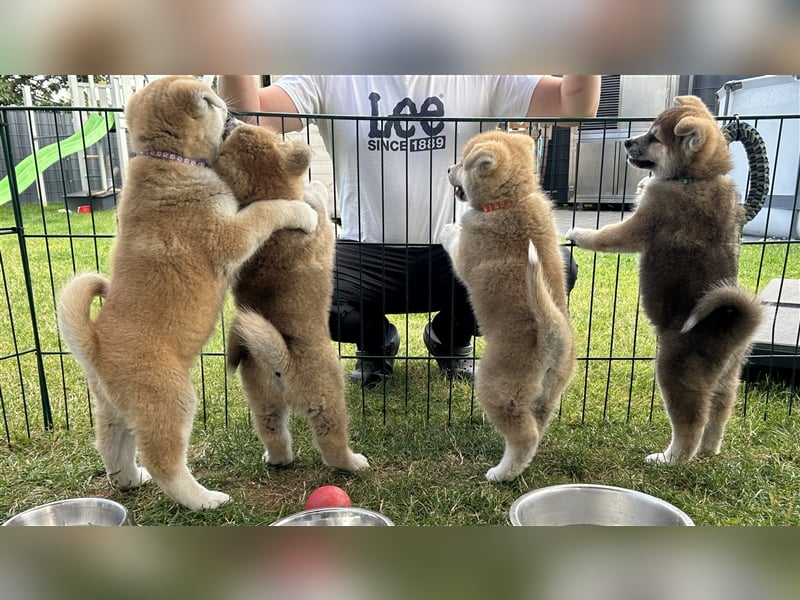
279, 338
506, 253
181, 236
687, 230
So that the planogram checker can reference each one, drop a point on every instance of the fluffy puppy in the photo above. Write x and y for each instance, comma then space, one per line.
686, 230
279, 338
506, 252
180, 236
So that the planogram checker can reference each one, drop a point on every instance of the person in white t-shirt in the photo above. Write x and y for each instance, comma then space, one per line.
392, 139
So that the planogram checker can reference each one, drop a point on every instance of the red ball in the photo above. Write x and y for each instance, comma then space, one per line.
327, 495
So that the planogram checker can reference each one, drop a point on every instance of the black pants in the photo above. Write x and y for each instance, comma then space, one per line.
373, 280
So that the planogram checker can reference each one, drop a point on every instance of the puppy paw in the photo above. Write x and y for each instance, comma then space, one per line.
578, 235
277, 459
209, 500
358, 462
129, 482
144, 476
708, 450
316, 194
308, 217
661, 458
346, 462
316, 189
499, 473
448, 238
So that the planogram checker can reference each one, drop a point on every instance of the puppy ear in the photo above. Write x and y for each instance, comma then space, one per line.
692, 131
482, 158
690, 101
693, 103
297, 158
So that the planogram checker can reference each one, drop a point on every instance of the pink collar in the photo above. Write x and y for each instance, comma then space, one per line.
176, 157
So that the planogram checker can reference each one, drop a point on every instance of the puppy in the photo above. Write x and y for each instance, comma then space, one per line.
687, 231
506, 253
280, 338
180, 237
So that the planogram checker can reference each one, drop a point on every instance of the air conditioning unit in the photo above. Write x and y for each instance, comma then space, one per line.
598, 159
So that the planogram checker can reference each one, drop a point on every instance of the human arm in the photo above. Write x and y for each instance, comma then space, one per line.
566, 96
241, 92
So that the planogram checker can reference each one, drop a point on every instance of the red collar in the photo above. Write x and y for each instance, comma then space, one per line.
498, 205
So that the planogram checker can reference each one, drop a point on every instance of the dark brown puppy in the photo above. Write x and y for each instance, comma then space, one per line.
279, 338
687, 230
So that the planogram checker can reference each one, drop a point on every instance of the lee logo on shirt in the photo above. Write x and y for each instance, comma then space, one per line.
397, 135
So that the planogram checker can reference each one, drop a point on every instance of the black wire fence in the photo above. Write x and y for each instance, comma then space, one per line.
63, 171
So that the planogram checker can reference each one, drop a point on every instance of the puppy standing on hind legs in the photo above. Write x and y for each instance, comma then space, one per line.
686, 230
181, 236
505, 250
280, 338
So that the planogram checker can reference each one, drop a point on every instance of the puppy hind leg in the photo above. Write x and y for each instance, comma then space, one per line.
685, 441
722, 403
270, 411
327, 410
115, 443
521, 442
554, 382
510, 412
163, 441
687, 410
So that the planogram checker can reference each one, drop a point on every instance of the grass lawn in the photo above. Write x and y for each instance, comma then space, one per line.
426, 439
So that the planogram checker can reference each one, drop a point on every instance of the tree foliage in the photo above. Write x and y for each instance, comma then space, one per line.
46, 90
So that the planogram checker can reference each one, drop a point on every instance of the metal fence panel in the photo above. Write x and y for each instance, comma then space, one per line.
40, 247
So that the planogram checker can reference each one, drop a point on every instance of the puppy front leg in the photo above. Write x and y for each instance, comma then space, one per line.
449, 238
255, 223
268, 216
619, 237
316, 194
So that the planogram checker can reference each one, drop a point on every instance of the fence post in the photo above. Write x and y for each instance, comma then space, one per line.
47, 415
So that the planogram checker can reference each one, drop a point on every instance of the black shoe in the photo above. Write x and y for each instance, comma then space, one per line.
458, 363
369, 372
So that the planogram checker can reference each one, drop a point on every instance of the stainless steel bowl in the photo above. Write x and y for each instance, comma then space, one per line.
589, 504
335, 516
75, 511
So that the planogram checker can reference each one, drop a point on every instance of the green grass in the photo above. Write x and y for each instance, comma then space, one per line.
426, 439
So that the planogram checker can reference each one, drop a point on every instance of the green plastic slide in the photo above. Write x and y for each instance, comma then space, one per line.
97, 125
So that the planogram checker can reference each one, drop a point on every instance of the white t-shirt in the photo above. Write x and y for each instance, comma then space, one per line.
391, 176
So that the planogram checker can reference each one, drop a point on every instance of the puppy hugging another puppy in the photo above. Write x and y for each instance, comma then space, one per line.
181, 237
505, 250
279, 338
686, 230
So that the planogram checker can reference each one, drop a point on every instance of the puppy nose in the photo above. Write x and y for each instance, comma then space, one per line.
628, 142
449, 169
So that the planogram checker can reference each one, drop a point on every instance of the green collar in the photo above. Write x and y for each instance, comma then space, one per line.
691, 180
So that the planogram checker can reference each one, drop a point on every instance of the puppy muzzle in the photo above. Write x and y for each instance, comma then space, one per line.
231, 123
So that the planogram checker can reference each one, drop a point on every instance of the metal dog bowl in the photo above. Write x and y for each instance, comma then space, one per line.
335, 516
588, 504
76, 511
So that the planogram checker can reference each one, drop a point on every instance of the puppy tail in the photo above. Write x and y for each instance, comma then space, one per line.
533, 274
729, 311
251, 335
539, 294
74, 314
